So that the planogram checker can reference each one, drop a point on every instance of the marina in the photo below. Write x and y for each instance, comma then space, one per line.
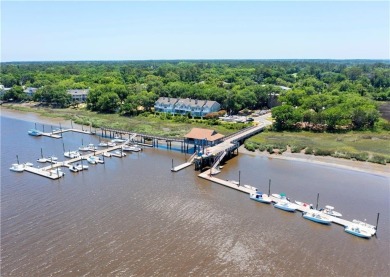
105, 214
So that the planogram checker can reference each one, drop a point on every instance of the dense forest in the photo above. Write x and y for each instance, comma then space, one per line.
324, 95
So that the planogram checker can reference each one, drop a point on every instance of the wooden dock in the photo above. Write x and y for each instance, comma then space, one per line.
180, 167
234, 185
58, 134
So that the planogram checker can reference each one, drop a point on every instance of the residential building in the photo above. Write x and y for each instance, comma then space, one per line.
30, 91
194, 107
79, 95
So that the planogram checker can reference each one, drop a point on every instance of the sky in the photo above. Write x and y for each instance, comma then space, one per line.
147, 30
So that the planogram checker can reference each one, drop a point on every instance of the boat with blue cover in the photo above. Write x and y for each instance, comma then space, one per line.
34, 132
260, 197
285, 206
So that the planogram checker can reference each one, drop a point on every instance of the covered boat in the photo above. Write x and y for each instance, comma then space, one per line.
17, 167
367, 227
34, 132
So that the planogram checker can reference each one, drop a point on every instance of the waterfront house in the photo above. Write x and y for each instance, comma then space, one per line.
194, 107
202, 138
30, 91
165, 105
79, 95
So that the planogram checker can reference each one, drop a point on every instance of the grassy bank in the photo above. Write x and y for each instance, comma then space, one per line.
151, 124
362, 146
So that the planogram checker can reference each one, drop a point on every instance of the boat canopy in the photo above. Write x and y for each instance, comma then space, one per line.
329, 207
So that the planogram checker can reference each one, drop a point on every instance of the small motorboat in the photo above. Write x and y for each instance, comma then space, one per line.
17, 167
365, 226
120, 154
73, 168
329, 210
72, 154
57, 172
91, 147
84, 148
250, 187
106, 154
91, 160
357, 231
310, 206
133, 148
28, 164
111, 144
42, 160
316, 216
52, 158
285, 206
281, 196
103, 144
260, 197
117, 140
34, 132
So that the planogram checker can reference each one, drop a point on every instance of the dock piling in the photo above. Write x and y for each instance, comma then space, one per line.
239, 177
269, 187
318, 196
376, 227
17, 158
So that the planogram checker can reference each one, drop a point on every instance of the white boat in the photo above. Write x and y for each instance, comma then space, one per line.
285, 206
357, 231
73, 168
368, 227
260, 197
111, 144
42, 160
310, 206
329, 210
28, 164
250, 187
106, 154
72, 154
80, 167
103, 144
281, 196
52, 158
92, 147
117, 140
316, 216
133, 148
91, 160
120, 154
57, 172
84, 148
17, 167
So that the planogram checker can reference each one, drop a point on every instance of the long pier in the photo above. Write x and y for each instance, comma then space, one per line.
235, 185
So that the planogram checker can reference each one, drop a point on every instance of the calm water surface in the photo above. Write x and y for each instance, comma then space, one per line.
133, 217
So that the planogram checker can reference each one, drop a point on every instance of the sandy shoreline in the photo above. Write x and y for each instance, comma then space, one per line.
372, 168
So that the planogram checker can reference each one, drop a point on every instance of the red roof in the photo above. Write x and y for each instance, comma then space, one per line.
199, 133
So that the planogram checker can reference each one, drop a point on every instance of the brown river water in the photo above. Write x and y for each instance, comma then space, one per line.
133, 217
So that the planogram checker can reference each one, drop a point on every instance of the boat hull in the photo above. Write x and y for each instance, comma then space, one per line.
287, 208
260, 199
320, 220
360, 234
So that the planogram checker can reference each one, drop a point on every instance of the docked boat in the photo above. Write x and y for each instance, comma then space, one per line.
120, 153
34, 132
316, 216
81, 167
91, 160
111, 144
133, 148
357, 231
72, 154
285, 206
42, 160
310, 206
57, 172
103, 144
368, 227
106, 154
250, 187
329, 210
118, 140
260, 197
84, 148
52, 158
17, 167
281, 196
28, 164
73, 168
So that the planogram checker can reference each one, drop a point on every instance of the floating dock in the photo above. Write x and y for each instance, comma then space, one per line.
235, 185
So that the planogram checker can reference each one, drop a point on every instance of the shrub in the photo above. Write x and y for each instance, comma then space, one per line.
378, 159
297, 148
262, 147
343, 155
270, 149
323, 152
250, 146
359, 156
308, 151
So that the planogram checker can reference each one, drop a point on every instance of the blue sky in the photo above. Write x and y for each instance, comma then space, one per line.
129, 30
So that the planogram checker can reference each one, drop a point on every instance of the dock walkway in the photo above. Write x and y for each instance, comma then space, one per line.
207, 176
